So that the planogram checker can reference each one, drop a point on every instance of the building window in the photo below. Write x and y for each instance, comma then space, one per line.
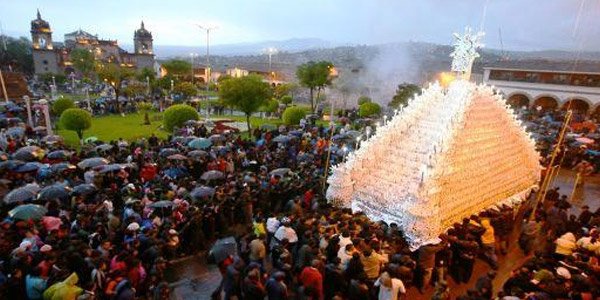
45, 62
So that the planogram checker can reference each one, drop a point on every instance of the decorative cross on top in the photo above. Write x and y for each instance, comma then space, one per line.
465, 51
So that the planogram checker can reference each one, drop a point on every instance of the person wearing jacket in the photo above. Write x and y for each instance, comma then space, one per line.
488, 241
565, 245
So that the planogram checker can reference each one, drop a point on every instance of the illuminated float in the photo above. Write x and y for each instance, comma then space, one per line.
450, 153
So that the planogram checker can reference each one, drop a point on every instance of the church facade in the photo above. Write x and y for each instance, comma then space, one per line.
52, 57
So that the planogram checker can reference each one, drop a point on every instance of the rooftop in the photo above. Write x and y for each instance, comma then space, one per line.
547, 65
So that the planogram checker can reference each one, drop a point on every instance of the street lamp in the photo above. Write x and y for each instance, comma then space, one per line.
207, 69
270, 52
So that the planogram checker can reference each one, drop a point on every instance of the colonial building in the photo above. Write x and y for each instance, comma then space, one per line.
548, 84
52, 57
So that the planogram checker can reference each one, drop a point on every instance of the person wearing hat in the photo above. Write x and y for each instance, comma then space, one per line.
389, 288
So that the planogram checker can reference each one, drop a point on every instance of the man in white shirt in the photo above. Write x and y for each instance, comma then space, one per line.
389, 288
345, 254
285, 232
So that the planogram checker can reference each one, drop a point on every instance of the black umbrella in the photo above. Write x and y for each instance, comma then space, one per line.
19, 195
11, 164
202, 191
161, 204
55, 191
84, 189
28, 167
103, 147
29, 153
168, 152
58, 154
211, 175
15, 132
223, 248
92, 162
28, 212
63, 166
109, 168
197, 154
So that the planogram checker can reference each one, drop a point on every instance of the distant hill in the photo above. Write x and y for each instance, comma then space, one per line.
371, 70
291, 45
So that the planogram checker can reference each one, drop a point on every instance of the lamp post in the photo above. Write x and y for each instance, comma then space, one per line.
270, 52
207, 69
53, 90
148, 85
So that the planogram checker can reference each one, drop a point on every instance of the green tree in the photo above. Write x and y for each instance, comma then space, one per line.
134, 89
178, 68
115, 75
146, 73
369, 109
293, 115
286, 100
17, 55
270, 107
363, 99
186, 89
77, 120
314, 76
83, 60
246, 93
177, 114
62, 104
145, 107
404, 92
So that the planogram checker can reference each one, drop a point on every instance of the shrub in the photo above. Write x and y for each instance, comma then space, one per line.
177, 114
293, 115
77, 120
369, 109
363, 99
61, 105
286, 100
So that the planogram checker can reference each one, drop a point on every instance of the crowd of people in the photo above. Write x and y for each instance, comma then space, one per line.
127, 209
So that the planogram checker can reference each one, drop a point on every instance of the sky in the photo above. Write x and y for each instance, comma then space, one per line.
524, 24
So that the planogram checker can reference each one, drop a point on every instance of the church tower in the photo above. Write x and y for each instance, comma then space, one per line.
45, 57
41, 35
142, 40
